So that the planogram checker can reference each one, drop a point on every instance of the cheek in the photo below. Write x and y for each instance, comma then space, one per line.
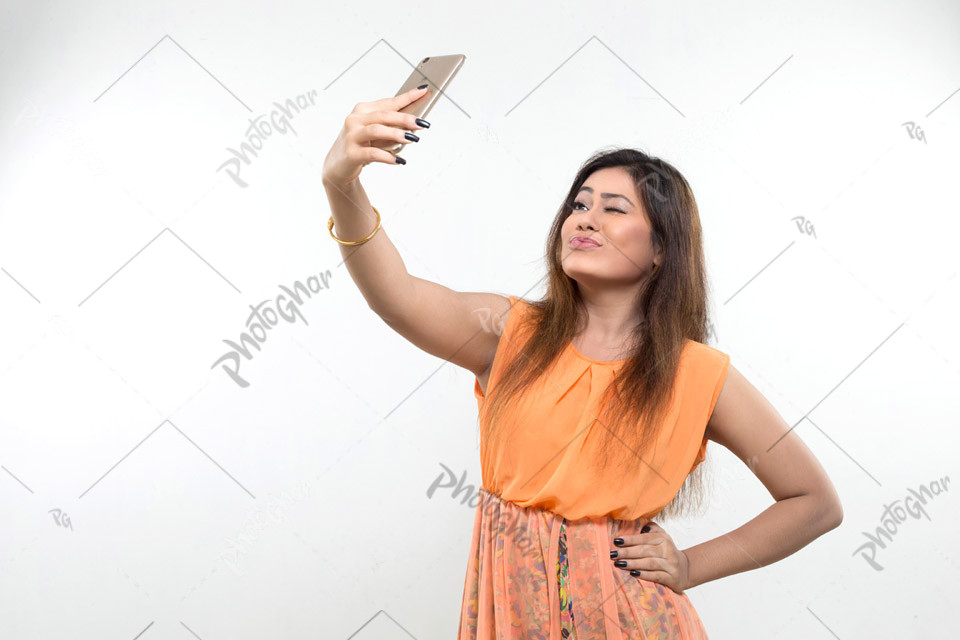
629, 236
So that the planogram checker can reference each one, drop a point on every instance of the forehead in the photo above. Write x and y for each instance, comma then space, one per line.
610, 180
613, 182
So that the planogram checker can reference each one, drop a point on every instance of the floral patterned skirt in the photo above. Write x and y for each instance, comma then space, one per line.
534, 575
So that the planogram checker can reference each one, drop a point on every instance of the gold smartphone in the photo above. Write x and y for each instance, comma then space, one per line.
438, 72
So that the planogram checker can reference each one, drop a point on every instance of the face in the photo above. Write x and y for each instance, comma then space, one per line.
618, 224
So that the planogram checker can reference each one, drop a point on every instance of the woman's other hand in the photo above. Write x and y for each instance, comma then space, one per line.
653, 554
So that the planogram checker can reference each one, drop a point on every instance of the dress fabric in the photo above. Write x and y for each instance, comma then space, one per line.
567, 628
539, 566
512, 588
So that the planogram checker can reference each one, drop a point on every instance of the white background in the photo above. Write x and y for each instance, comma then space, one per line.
296, 507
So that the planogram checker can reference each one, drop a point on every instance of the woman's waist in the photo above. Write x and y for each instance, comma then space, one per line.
542, 511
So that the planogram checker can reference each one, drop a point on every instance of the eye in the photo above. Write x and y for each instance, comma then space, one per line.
578, 203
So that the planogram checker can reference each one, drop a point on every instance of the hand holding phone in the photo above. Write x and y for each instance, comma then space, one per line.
376, 131
367, 124
437, 72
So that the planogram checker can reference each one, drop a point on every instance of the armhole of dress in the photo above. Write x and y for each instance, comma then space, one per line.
719, 379
717, 388
506, 332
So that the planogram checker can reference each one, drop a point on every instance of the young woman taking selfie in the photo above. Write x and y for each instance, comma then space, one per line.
595, 403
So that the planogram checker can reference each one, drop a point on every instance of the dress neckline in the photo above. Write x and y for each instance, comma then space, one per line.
594, 360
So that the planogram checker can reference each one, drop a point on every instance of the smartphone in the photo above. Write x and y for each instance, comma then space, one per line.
438, 72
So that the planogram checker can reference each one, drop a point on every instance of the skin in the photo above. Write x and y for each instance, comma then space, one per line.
608, 277
743, 421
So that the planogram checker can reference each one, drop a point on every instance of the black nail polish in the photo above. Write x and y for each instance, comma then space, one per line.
412, 138
400, 160
613, 554
620, 563
618, 542
635, 572
422, 123
423, 85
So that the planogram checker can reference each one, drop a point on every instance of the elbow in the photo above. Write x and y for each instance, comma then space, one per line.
832, 515
824, 510
829, 508
836, 520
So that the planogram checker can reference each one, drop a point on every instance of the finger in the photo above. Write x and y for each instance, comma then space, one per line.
624, 541
644, 565
660, 577
638, 551
391, 118
390, 104
652, 526
366, 155
652, 532
398, 102
649, 538
377, 131
649, 527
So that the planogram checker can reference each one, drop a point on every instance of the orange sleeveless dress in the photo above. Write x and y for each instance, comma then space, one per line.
539, 566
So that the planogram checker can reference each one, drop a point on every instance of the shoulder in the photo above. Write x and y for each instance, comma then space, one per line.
704, 372
701, 357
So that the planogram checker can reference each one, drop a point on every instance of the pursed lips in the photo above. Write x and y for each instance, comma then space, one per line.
583, 241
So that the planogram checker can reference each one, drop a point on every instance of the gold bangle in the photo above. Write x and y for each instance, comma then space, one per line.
353, 242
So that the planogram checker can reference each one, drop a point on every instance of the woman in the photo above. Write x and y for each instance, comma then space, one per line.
596, 403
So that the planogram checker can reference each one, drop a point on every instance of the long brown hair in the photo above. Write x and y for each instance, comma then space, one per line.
673, 301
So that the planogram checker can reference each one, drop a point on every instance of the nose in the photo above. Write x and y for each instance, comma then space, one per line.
586, 221
583, 226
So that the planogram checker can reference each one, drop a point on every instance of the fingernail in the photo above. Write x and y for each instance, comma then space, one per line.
425, 84
412, 138
635, 572
618, 542
422, 123
620, 563
613, 554
400, 160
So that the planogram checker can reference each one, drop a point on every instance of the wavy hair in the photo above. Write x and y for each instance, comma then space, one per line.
672, 302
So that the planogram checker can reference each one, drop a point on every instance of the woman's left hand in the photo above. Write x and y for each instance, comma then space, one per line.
655, 556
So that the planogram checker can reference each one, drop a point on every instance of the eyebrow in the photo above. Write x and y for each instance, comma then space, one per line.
607, 196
